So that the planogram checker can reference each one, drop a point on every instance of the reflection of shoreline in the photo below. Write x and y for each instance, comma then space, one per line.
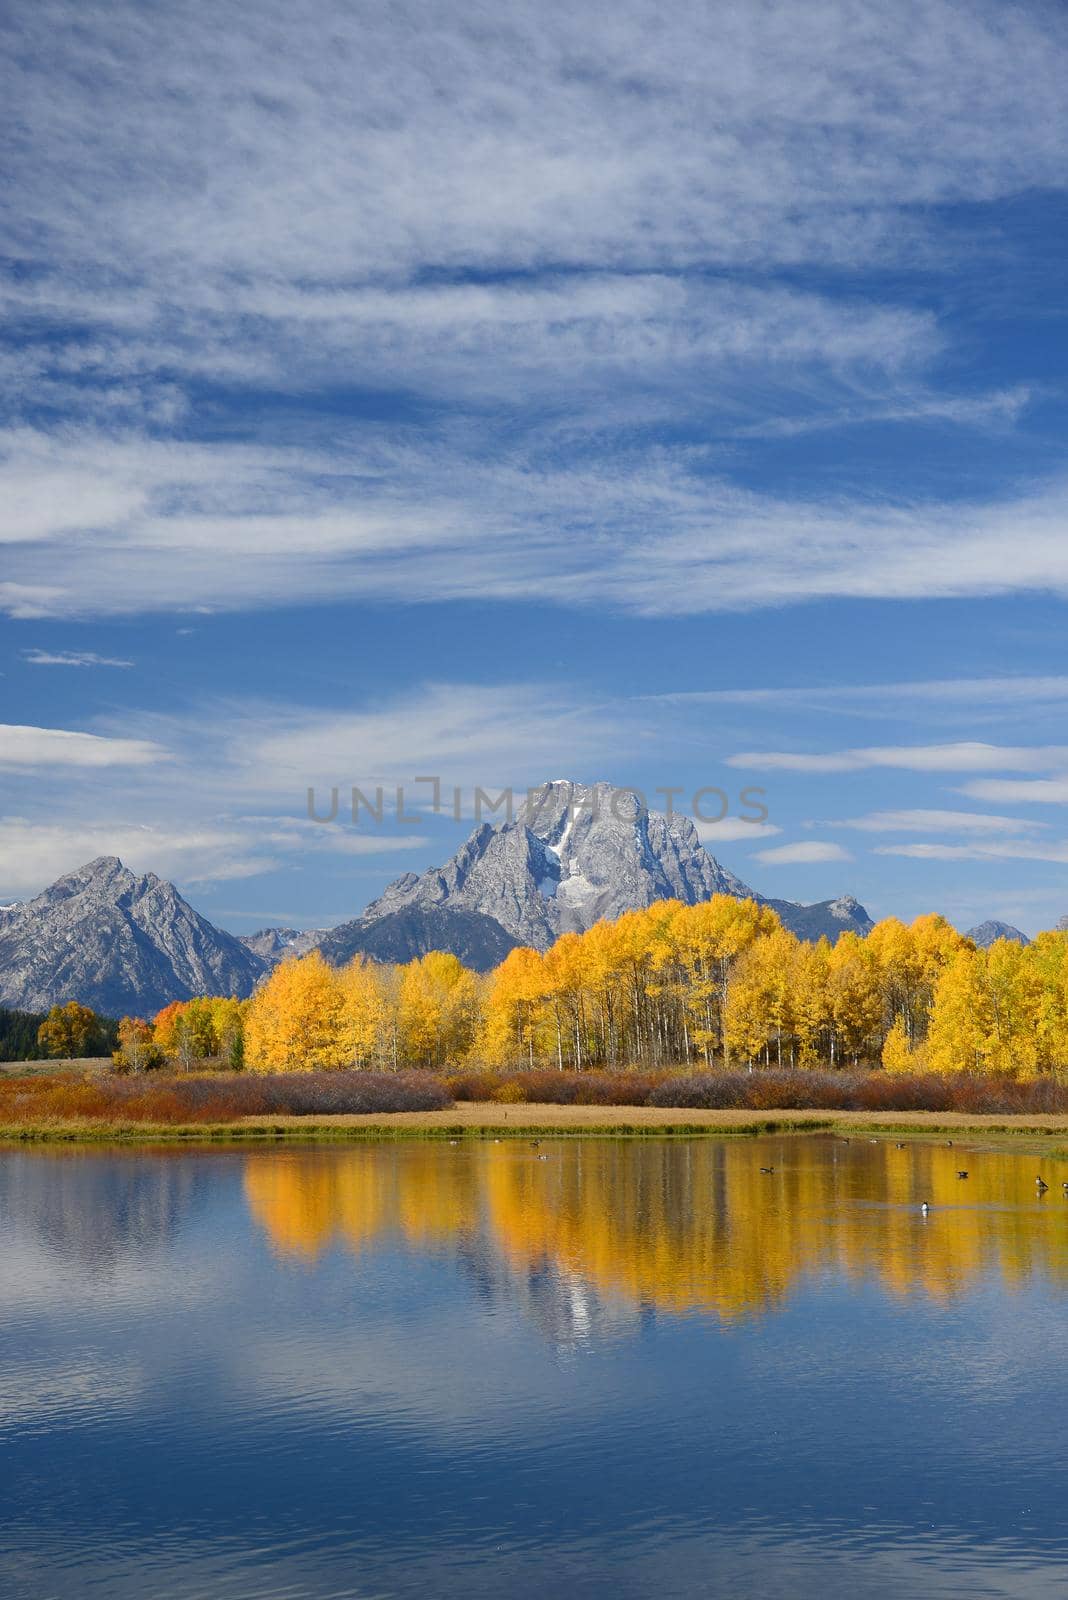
100, 1210
680, 1226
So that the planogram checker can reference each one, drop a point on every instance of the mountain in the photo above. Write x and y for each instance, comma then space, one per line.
399, 936
272, 945
986, 933
826, 919
575, 854
567, 860
117, 942
127, 944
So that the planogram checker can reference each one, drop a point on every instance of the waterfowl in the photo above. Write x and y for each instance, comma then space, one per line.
1040, 1183
543, 1158
962, 1174
900, 1144
534, 1143
925, 1208
767, 1169
1064, 1186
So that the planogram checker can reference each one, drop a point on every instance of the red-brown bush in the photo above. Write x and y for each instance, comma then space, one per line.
175, 1100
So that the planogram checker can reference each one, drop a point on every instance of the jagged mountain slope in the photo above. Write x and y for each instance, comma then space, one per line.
272, 945
575, 854
479, 941
825, 919
987, 933
117, 942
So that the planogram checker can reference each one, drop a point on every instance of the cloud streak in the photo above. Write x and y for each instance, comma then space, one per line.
24, 747
965, 755
657, 538
547, 240
803, 852
71, 658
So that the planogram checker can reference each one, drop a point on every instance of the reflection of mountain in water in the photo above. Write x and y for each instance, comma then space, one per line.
98, 1210
688, 1225
565, 1307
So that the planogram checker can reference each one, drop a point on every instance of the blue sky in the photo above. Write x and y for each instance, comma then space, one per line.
526, 390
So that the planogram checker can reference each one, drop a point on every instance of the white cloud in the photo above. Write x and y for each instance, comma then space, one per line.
962, 756
333, 142
934, 821
173, 526
467, 735
979, 692
731, 829
72, 658
29, 747
1043, 791
540, 215
980, 850
33, 853
811, 850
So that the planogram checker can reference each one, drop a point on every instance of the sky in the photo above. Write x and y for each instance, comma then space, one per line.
502, 392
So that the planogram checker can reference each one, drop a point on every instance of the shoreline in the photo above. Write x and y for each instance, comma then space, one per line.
487, 1119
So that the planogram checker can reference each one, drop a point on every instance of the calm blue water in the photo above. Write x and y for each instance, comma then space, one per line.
632, 1368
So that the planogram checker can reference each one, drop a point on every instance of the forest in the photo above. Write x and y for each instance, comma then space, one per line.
721, 984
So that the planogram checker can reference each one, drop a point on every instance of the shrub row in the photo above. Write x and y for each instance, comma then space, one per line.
166, 1100
767, 1090
187, 1099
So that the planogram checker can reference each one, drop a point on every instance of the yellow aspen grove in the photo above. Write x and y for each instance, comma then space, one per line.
437, 1010
961, 1023
897, 1057
514, 1011
567, 981
811, 1008
669, 985
855, 1000
1047, 958
1013, 992
294, 1019
710, 938
362, 1012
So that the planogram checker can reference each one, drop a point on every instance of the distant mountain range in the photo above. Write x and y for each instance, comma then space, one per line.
987, 933
123, 943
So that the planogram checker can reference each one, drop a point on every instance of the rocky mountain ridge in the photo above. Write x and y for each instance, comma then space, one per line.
573, 855
118, 942
987, 933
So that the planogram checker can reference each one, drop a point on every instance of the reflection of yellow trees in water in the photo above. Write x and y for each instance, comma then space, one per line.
685, 1226
306, 1200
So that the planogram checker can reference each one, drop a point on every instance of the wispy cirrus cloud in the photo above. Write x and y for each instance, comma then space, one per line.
733, 830
72, 658
551, 239
654, 538
29, 748
920, 820
976, 692
1038, 791
802, 852
964, 755
981, 850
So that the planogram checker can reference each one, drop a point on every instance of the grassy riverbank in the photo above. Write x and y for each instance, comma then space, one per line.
485, 1120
